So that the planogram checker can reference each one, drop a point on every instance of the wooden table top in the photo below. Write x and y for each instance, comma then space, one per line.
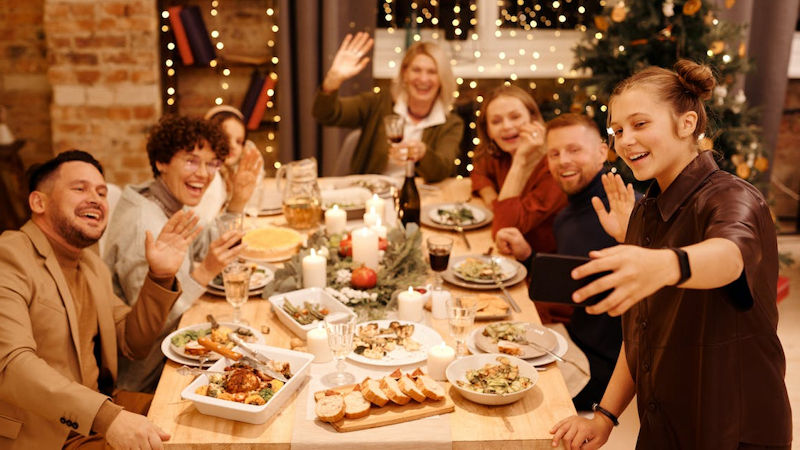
524, 424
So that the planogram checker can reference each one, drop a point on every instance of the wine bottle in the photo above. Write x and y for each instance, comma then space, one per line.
408, 202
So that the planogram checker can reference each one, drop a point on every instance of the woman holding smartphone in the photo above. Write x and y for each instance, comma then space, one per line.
695, 284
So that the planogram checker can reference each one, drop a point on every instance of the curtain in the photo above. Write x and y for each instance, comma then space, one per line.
310, 33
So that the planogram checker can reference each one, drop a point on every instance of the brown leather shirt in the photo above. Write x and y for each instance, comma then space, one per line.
707, 364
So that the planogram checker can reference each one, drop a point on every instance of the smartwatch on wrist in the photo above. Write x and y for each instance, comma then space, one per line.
683, 264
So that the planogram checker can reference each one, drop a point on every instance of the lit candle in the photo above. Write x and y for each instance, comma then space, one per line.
317, 343
335, 220
370, 218
365, 247
409, 305
375, 203
380, 230
314, 274
439, 357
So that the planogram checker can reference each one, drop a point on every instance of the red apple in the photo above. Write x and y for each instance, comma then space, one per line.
363, 278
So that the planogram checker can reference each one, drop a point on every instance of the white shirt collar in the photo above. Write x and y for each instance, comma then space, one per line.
435, 117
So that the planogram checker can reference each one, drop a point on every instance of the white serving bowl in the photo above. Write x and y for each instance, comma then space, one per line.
257, 414
457, 370
312, 295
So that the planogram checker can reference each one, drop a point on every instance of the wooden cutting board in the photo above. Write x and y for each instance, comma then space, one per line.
391, 413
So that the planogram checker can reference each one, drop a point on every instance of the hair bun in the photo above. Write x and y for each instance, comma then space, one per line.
696, 78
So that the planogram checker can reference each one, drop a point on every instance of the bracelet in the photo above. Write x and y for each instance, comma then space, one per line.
683, 263
597, 408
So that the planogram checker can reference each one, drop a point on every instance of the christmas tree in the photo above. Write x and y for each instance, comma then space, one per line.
632, 34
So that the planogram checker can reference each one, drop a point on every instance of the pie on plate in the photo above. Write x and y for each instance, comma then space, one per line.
271, 243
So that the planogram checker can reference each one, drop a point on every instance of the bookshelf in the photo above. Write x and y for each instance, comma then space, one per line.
243, 34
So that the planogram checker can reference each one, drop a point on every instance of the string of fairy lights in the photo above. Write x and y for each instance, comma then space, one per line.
223, 67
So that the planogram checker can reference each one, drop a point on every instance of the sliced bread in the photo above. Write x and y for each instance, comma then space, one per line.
432, 389
409, 388
330, 408
355, 405
393, 391
372, 392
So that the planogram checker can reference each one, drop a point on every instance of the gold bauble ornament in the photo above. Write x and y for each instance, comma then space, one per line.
761, 164
742, 49
743, 170
737, 159
619, 12
601, 22
705, 144
729, 3
717, 47
691, 7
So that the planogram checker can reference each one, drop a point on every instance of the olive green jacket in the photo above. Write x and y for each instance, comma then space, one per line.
367, 111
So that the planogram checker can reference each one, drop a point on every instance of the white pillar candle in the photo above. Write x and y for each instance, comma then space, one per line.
409, 305
365, 247
380, 230
317, 343
375, 203
335, 220
314, 274
439, 357
370, 218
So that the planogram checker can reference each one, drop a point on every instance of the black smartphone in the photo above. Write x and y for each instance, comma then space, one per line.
551, 279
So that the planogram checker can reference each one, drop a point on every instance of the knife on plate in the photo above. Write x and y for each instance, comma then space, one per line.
259, 360
496, 276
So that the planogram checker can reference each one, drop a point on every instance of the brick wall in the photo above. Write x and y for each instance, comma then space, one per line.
24, 88
104, 75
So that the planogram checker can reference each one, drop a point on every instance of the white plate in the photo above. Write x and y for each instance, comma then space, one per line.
508, 268
426, 336
457, 371
560, 350
298, 362
376, 184
312, 295
261, 276
478, 214
180, 358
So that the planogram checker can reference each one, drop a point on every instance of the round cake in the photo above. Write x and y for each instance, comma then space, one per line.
271, 243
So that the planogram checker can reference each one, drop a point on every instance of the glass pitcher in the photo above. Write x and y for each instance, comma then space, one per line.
302, 202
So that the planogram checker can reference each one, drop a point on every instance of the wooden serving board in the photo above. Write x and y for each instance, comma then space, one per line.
391, 413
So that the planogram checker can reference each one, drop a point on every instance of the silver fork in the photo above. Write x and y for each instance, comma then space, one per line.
543, 349
459, 229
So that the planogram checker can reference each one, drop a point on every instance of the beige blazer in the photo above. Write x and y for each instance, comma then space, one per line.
42, 394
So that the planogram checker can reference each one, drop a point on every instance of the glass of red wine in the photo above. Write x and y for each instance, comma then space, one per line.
439, 248
394, 125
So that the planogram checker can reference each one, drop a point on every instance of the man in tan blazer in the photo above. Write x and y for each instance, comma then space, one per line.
61, 326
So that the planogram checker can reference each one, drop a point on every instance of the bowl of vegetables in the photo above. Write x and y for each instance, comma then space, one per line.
492, 378
302, 310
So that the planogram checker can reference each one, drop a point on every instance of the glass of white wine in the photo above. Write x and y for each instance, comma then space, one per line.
341, 328
236, 279
460, 318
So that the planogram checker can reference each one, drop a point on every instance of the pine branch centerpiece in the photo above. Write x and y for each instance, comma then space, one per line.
401, 265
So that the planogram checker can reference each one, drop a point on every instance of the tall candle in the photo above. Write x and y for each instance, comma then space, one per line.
380, 230
314, 274
439, 357
317, 343
335, 220
365, 247
376, 203
409, 305
371, 218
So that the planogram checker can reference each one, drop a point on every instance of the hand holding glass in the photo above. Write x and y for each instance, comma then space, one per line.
395, 126
236, 279
341, 328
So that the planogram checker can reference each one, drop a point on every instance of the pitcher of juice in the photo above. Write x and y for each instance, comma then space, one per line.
302, 202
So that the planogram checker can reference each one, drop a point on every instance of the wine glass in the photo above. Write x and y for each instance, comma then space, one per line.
439, 248
230, 222
460, 318
341, 328
236, 279
395, 126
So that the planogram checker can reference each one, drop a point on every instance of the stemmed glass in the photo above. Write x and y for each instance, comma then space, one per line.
341, 328
439, 248
236, 279
460, 318
395, 126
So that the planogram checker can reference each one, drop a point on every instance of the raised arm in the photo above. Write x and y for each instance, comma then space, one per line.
621, 200
349, 60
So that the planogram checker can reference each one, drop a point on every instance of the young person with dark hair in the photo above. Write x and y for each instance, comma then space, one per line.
184, 154
62, 326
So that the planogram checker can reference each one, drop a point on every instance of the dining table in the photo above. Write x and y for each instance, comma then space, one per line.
524, 424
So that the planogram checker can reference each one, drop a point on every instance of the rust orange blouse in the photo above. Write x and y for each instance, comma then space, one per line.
533, 211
